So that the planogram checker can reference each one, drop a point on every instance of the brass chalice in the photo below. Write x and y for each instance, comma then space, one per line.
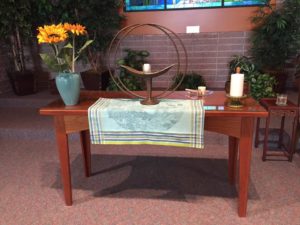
149, 99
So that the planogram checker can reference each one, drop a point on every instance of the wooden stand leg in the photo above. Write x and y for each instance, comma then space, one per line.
281, 132
232, 159
86, 151
266, 139
244, 163
63, 151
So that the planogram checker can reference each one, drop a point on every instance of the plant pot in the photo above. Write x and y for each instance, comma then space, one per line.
68, 85
93, 80
23, 82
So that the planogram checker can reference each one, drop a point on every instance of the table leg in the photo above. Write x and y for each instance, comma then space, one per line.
232, 159
63, 150
86, 151
244, 163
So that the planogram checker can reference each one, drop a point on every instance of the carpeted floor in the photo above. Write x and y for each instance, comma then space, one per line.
133, 184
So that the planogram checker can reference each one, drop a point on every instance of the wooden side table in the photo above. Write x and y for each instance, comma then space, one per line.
288, 111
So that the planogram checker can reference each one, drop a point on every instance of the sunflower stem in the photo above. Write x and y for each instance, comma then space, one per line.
54, 47
56, 52
73, 55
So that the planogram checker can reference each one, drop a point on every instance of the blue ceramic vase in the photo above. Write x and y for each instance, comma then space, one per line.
68, 85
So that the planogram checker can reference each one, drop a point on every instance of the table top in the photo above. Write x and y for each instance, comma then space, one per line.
217, 103
270, 103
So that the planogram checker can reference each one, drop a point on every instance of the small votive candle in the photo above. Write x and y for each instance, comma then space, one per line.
236, 85
201, 90
147, 68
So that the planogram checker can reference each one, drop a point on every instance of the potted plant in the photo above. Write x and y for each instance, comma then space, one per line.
15, 30
244, 63
276, 38
258, 85
62, 39
246, 68
261, 85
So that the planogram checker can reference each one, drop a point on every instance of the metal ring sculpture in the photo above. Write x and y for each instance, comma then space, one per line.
149, 99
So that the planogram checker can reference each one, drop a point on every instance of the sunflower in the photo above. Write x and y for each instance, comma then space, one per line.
76, 29
52, 34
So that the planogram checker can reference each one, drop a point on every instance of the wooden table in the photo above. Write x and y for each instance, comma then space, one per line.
238, 124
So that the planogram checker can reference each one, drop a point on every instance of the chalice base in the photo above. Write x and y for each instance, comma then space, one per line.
235, 102
150, 101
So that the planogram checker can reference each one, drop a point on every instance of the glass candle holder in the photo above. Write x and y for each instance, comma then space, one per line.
281, 99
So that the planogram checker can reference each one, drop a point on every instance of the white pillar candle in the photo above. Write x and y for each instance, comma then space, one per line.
236, 85
147, 68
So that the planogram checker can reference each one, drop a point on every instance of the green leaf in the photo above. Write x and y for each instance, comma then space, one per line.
53, 63
65, 54
145, 53
69, 45
121, 62
86, 44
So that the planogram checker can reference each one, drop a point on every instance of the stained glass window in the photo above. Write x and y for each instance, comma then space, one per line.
148, 5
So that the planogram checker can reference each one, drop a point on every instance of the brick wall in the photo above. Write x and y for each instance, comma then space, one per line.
208, 53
